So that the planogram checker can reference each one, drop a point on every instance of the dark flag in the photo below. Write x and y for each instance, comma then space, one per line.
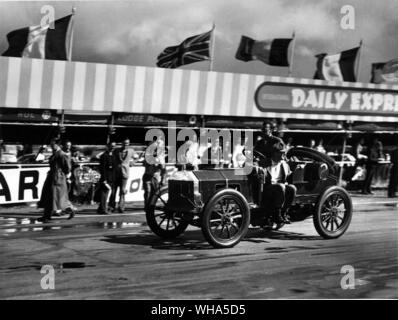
385, 72
272, 52
41, 42
193, 49
377, 69
337, 67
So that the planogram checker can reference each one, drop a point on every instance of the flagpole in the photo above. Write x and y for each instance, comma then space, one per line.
342, 158
69, 53
69, 57
358, 69
212, 47
292, 54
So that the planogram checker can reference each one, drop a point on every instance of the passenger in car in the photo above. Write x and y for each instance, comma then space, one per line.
278, 195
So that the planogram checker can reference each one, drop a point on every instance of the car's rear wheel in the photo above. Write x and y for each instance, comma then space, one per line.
225, 219
333, 213
163, 222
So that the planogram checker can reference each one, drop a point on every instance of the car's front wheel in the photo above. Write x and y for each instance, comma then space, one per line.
225, 219
333, 213
163, 222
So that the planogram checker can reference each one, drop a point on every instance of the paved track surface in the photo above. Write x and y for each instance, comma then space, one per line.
117, 257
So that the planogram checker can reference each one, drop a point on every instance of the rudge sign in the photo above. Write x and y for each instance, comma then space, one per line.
283, 97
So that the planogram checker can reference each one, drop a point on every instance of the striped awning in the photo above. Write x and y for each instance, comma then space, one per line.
94, 87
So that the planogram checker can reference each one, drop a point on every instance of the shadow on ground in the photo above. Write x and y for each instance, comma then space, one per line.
194, 240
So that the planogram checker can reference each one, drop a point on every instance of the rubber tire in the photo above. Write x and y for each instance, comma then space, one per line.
154, 226
206, 215
326, 234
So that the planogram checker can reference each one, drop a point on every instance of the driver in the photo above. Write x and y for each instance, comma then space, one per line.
264, 145
277, 195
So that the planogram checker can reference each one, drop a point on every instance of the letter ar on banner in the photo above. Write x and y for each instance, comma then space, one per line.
28, 180
24, 184
21, 184
5, 193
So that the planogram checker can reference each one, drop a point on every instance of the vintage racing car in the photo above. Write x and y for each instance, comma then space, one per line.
223, 204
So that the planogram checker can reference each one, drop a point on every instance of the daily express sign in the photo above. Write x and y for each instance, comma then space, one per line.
282, 97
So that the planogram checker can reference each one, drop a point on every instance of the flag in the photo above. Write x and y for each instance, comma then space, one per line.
273, 52
377, 69
337, 67
385, 72
193, 49
41, 41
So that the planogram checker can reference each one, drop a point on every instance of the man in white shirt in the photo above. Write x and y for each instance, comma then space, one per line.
278, 195
188, 155
155, 167
122, 157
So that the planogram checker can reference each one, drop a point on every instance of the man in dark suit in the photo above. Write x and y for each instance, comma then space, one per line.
375, 152
106, 168
123, 157
393, 182
265, 143
71, 179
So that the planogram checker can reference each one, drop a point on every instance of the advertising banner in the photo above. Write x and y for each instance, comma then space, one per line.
28, 115
21, 183
283, 97
24, 183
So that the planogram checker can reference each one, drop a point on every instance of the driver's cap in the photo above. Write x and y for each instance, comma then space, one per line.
278, 146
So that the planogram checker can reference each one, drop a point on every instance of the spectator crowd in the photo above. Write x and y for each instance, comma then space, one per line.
115, 164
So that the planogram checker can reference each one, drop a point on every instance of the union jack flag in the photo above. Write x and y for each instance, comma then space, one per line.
193, 49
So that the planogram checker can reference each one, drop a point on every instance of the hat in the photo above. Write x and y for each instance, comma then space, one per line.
278, 146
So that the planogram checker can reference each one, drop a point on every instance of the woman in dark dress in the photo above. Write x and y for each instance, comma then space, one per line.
54, 196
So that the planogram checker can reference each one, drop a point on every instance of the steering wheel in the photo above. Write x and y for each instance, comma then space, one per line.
255, 152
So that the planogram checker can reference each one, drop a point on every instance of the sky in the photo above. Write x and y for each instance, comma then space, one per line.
134, 32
